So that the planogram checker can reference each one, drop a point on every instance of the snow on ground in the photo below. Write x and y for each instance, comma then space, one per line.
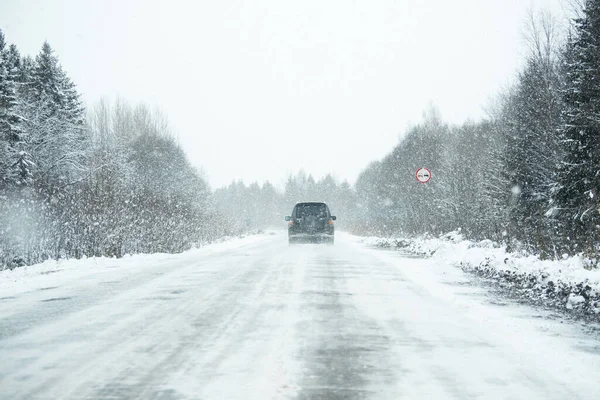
566, 284
54, 273
258, 319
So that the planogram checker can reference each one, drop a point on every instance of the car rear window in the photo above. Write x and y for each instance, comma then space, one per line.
317, 210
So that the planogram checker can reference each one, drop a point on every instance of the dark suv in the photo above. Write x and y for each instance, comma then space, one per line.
311, 222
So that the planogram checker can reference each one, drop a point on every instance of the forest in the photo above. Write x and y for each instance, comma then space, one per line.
527, 175
107, 181
112, 179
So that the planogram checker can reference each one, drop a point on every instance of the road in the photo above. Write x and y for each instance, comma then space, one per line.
261, 320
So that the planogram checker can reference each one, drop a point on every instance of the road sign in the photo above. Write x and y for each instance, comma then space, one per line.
423, 175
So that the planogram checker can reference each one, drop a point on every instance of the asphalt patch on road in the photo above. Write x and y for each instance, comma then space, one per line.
56, 299
48, 288
339, 363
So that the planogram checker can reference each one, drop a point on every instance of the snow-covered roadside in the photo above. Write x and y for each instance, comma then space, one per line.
565, 284
54, 273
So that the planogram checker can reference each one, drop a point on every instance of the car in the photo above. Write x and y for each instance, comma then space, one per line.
311, 222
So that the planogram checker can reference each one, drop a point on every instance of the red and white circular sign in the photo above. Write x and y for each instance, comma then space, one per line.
423, 175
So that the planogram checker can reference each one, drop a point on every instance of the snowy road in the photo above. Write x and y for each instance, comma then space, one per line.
261, 320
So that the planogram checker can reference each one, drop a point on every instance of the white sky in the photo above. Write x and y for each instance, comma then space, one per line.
258, 89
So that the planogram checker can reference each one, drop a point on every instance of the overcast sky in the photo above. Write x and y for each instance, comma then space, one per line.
258, 89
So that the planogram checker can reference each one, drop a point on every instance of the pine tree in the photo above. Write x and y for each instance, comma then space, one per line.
54, 89
579, 175
14, 167
73, 109
531, 122
9, 121
46, 79
54, 128
25, 76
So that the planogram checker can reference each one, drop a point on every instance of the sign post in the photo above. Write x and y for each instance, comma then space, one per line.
423, 175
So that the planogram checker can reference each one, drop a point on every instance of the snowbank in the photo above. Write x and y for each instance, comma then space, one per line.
566, 284
53, 273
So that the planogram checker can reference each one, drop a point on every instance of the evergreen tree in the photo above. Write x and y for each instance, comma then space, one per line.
273, 210
531, 122
14, 166
56, 139
9, 120
579, 175
46, 80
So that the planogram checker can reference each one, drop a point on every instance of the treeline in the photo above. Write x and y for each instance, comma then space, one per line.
256, 207
113, 180
109, 182
528, 174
